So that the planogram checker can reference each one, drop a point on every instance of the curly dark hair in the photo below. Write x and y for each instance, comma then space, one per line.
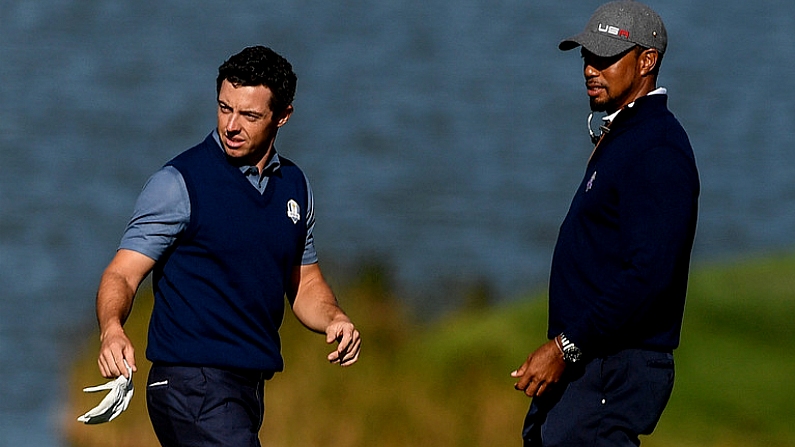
260, 65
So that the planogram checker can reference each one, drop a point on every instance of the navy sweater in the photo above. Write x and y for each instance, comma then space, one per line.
620, 267
219, 292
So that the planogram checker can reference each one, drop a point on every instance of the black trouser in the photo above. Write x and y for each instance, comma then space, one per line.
609, 401
201, 406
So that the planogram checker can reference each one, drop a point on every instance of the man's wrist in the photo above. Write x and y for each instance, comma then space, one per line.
559, 345
110, 329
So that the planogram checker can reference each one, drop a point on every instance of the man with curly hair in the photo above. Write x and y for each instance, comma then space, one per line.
226, 229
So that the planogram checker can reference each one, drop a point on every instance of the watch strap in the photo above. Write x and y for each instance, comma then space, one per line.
571, 353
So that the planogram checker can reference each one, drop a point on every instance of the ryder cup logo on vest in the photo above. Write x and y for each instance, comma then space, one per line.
293, 211
614, 30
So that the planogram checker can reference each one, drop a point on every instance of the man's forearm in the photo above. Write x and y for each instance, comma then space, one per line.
316, 308
118, 286
114, 302
314, 304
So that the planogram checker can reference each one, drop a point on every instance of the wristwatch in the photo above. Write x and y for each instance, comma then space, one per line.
571, 353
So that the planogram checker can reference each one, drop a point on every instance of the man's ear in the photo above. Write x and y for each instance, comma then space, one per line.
285, 115
648, 61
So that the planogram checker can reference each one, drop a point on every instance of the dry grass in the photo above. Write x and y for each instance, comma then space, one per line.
447, 384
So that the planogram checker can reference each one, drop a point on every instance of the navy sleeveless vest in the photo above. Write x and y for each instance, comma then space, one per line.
220, 290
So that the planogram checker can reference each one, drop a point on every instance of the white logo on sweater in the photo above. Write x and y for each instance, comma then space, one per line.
293, 211
589, 185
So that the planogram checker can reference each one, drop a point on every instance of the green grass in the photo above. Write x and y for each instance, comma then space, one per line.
737, 360
447, 383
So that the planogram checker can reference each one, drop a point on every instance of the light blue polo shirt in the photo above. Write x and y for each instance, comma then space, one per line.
162, 211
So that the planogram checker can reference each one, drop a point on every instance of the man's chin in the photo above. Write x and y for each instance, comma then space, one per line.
597, 106
235, 157
231, 152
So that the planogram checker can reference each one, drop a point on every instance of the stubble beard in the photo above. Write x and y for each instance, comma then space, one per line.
598, 105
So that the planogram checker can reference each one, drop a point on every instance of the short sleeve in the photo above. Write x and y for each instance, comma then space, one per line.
162, 212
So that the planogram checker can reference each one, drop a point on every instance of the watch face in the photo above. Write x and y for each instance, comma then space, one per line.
572, 355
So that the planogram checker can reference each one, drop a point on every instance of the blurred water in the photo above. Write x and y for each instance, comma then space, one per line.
442, 138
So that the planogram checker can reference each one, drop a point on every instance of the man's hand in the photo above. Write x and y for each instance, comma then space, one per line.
542, 369
115, 348
342, 331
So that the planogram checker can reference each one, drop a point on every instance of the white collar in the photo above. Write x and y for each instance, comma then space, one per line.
658, 91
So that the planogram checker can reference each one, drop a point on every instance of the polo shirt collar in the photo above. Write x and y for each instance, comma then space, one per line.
609, 118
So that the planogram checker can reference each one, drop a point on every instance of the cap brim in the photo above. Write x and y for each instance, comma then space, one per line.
568, 44
598, 44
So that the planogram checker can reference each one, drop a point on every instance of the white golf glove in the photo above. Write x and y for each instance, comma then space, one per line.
121, 391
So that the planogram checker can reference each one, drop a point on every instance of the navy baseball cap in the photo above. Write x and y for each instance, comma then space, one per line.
617, 26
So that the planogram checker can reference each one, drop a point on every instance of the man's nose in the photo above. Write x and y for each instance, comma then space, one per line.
232, 124
589, 71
